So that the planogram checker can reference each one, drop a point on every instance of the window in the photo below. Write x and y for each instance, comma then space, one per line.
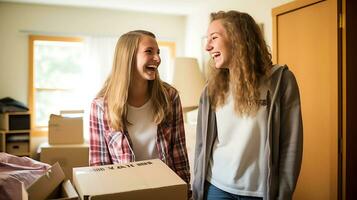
56, 71
66, 72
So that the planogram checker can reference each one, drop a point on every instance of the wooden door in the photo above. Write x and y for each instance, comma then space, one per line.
350, 98
305, 38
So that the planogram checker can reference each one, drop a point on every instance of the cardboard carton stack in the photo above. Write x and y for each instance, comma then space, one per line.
66, 142
149, 180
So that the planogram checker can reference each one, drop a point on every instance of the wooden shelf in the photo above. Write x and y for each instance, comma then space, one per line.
14, 139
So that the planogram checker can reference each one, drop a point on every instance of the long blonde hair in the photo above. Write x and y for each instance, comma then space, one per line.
250, 61
116, 88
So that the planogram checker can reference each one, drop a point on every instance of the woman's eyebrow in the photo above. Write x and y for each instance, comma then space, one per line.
149, 48
214, 33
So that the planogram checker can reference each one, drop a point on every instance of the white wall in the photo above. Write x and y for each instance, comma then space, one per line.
68, 21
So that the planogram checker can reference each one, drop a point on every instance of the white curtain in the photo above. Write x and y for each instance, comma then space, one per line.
99, 53
165, 68
97, 62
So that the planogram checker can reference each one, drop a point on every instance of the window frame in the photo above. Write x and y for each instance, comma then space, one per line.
170, 45
40, 130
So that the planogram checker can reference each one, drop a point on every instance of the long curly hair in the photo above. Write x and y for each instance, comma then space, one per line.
250, 61
115, 90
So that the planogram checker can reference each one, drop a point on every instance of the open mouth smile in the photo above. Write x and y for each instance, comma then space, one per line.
151, 68
215, 55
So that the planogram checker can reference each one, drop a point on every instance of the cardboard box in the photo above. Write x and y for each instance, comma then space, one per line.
65, 130
50, 186
149, 180
68, 156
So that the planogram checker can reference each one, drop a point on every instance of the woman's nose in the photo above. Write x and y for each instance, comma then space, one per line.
157, 58
208, 47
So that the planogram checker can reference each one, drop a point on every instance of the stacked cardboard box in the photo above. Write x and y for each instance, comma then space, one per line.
69, 156
65, 128
65, 142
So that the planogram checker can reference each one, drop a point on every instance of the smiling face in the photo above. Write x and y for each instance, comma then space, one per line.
147, 59
218, 45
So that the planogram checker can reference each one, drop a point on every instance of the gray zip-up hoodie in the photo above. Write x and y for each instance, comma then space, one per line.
283, 147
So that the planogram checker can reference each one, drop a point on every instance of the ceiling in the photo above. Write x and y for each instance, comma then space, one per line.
180, 7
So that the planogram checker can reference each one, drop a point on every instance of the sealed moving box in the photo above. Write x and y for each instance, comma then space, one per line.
65, 129
50, 186
68, 156
149, 180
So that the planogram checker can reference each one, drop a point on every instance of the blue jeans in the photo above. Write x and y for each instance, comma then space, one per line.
214, 193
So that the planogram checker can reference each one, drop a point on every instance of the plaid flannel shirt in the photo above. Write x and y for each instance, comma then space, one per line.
108, 146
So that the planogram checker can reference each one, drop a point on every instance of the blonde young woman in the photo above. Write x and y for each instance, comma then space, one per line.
136, 116
249, 131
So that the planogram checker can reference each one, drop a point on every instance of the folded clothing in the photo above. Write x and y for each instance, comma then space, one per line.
15, 171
